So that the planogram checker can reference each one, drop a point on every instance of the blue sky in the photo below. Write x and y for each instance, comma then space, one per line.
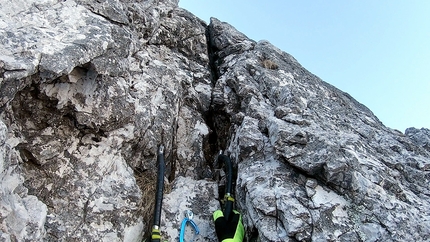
378, 51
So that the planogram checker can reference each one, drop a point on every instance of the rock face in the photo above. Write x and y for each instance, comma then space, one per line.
89, 89
420, 137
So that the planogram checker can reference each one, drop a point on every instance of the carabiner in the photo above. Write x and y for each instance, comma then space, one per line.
188, 219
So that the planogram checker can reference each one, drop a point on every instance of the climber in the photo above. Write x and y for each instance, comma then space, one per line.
228, 223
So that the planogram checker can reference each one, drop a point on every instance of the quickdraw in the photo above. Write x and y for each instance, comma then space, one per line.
156, 235
228, 200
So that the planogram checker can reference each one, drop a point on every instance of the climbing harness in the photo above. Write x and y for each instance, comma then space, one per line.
188, 219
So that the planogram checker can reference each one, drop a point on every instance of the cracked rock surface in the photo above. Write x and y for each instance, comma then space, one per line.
89, 89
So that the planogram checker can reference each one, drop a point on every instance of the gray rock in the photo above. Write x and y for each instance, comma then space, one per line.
23, 215
421, 137
90, 89
199, 196
365, 178
91, 120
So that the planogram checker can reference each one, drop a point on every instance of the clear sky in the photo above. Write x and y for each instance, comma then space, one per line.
378, 51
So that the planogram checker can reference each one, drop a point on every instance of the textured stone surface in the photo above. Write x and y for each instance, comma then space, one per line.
420, 137
314, 164
89, 89
94, 108
22, 215
197, 196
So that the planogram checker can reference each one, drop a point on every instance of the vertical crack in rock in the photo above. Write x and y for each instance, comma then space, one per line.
173, 156
211, 142
217, 118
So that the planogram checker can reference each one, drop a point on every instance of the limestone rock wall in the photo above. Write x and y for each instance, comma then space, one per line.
313, 163
89, 89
